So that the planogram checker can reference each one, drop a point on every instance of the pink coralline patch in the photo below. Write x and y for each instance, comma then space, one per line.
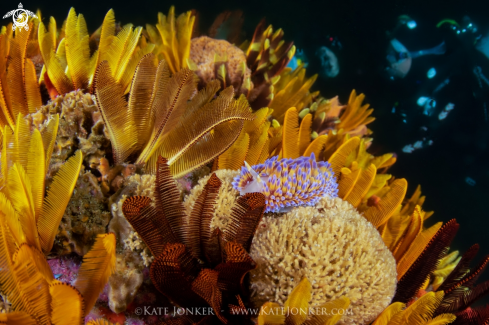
65, 269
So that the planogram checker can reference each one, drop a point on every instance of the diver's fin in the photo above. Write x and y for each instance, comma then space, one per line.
437, 50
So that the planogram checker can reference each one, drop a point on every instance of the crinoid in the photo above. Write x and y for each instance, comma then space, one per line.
68, 62
19, 90
159, 119
194, 265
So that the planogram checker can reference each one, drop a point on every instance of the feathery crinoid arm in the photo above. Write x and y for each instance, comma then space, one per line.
98, 265
49, 139
57, 199
140, 99
115, 113
168, 103
202, 135
6, 114
77, 50
174, 37
53, 62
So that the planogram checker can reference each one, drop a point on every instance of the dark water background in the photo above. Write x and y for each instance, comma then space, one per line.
460, 141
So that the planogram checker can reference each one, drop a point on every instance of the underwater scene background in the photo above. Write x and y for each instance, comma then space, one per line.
460, 141
432, 115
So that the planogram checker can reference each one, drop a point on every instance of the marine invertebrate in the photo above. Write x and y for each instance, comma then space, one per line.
23, 171
80, 127
19, 90
288, 183
213, 59
224, 202
420, 312
84, 218
296, 309
332, 245
155, 121
36, 296
172, 37
195, 266
72, 53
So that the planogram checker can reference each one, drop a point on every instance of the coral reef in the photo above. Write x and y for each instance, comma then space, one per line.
209, 54
132, 253
80, 127
125, 281
194, 265
224, 202
331, 244
85, 217
147, 116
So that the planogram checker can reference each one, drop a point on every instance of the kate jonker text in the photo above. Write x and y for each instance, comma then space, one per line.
205, 311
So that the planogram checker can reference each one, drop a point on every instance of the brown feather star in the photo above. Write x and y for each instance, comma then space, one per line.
195, 265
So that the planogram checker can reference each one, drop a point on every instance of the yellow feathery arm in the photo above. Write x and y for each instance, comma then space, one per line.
388, 313
290, 134
379, 213
257, 145
215, 128
414, 229
36, 170
32, 91
347, 179
299, 300
304, 134
328, 314
116, 48
98, 265
234, 157
416, 248
271, 314
340, 156
140, 98
127, 53
6, 116
362, 186
20, 194
54, 68
32, 285
77, 49
15, 73
8, 279
57, 199
394, 229
421, 310
114, 112
5, 159
181, 87
67, 304
40, 261
442, 319
17, 318
107, 36
316, 146
205, 149
185, 26
22, 137
11, 218
143, 48
53, 30
264, 152
49, 139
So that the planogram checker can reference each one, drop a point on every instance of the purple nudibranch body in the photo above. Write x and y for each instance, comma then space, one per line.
287, 183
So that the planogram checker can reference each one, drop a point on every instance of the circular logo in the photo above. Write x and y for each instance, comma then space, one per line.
20, 18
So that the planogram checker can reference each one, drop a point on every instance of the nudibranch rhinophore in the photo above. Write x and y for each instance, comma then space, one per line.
287, 183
